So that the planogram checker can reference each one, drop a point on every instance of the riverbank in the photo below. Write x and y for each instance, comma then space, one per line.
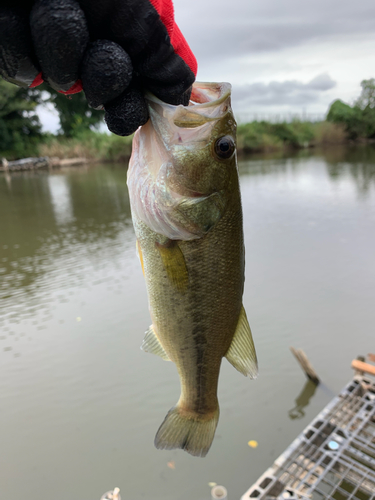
251, 137
267, 137
94, 146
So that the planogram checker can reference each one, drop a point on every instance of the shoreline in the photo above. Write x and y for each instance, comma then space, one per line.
252, 138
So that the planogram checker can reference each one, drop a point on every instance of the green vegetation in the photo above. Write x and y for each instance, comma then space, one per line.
76, 116
359, 119
89, 144
265, 136
255, 136
20, 130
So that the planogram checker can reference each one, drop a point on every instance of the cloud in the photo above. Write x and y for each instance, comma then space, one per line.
217, 29
289, 92
321, 83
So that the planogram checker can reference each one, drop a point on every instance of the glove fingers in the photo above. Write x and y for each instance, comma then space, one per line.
60, 36
17, 62
106, 72
127, 112
146, 31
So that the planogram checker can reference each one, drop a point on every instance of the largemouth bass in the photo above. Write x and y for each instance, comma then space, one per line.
186, 209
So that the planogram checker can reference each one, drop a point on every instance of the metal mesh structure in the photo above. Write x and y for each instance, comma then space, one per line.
333, 458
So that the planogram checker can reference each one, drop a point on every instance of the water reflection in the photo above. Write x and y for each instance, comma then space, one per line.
45, 217
61, 199
271, 163
358, 162
302, 401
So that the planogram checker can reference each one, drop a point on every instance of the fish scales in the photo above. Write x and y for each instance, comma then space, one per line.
209, 309
194, 269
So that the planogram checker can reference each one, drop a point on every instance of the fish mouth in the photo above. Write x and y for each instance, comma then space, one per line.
206, 95
203, 95
208, 102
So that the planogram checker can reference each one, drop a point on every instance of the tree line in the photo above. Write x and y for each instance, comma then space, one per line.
21, 131
358, 119
20, 127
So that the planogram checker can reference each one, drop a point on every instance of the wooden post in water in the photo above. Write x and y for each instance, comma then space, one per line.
305, 365
4, 164
363, 367
112, 495
357, 371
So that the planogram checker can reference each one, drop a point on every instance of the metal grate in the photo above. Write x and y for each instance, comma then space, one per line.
333, 458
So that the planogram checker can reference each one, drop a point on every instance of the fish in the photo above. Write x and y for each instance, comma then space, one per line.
186, 209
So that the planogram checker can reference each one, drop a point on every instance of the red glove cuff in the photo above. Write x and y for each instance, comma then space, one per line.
74, 89
166, 12
38, 81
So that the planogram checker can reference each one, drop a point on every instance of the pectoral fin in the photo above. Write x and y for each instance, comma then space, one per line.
199, 215
241, 353
174, 264
152, 344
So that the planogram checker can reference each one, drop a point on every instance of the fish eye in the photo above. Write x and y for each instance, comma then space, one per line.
224, 147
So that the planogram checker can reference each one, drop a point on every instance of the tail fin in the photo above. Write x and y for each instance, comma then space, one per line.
192, 433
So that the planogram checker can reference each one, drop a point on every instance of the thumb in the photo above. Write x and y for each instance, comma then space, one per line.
17, 61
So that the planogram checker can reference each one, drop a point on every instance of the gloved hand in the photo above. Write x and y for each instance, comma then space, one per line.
113, 49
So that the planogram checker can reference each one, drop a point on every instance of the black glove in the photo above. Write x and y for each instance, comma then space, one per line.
114, 49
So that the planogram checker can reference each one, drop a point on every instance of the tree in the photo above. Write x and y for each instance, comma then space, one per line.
20, 128
75, 114
340, 112
359, 119
366, 103
367, 97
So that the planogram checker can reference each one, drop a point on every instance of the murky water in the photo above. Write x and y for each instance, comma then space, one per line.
80, 402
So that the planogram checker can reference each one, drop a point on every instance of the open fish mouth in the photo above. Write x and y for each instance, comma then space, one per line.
208, 102
203, 94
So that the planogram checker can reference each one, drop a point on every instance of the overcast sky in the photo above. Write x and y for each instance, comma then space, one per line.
282, 56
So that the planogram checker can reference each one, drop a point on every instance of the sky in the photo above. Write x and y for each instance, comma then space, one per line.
282, 57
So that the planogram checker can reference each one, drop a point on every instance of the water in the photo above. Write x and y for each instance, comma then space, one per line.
80, 402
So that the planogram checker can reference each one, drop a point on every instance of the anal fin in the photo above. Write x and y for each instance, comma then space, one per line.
152, 344
241, 353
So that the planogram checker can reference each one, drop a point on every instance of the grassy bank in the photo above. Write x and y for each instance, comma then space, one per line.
91, 145
252, 137
265, 136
